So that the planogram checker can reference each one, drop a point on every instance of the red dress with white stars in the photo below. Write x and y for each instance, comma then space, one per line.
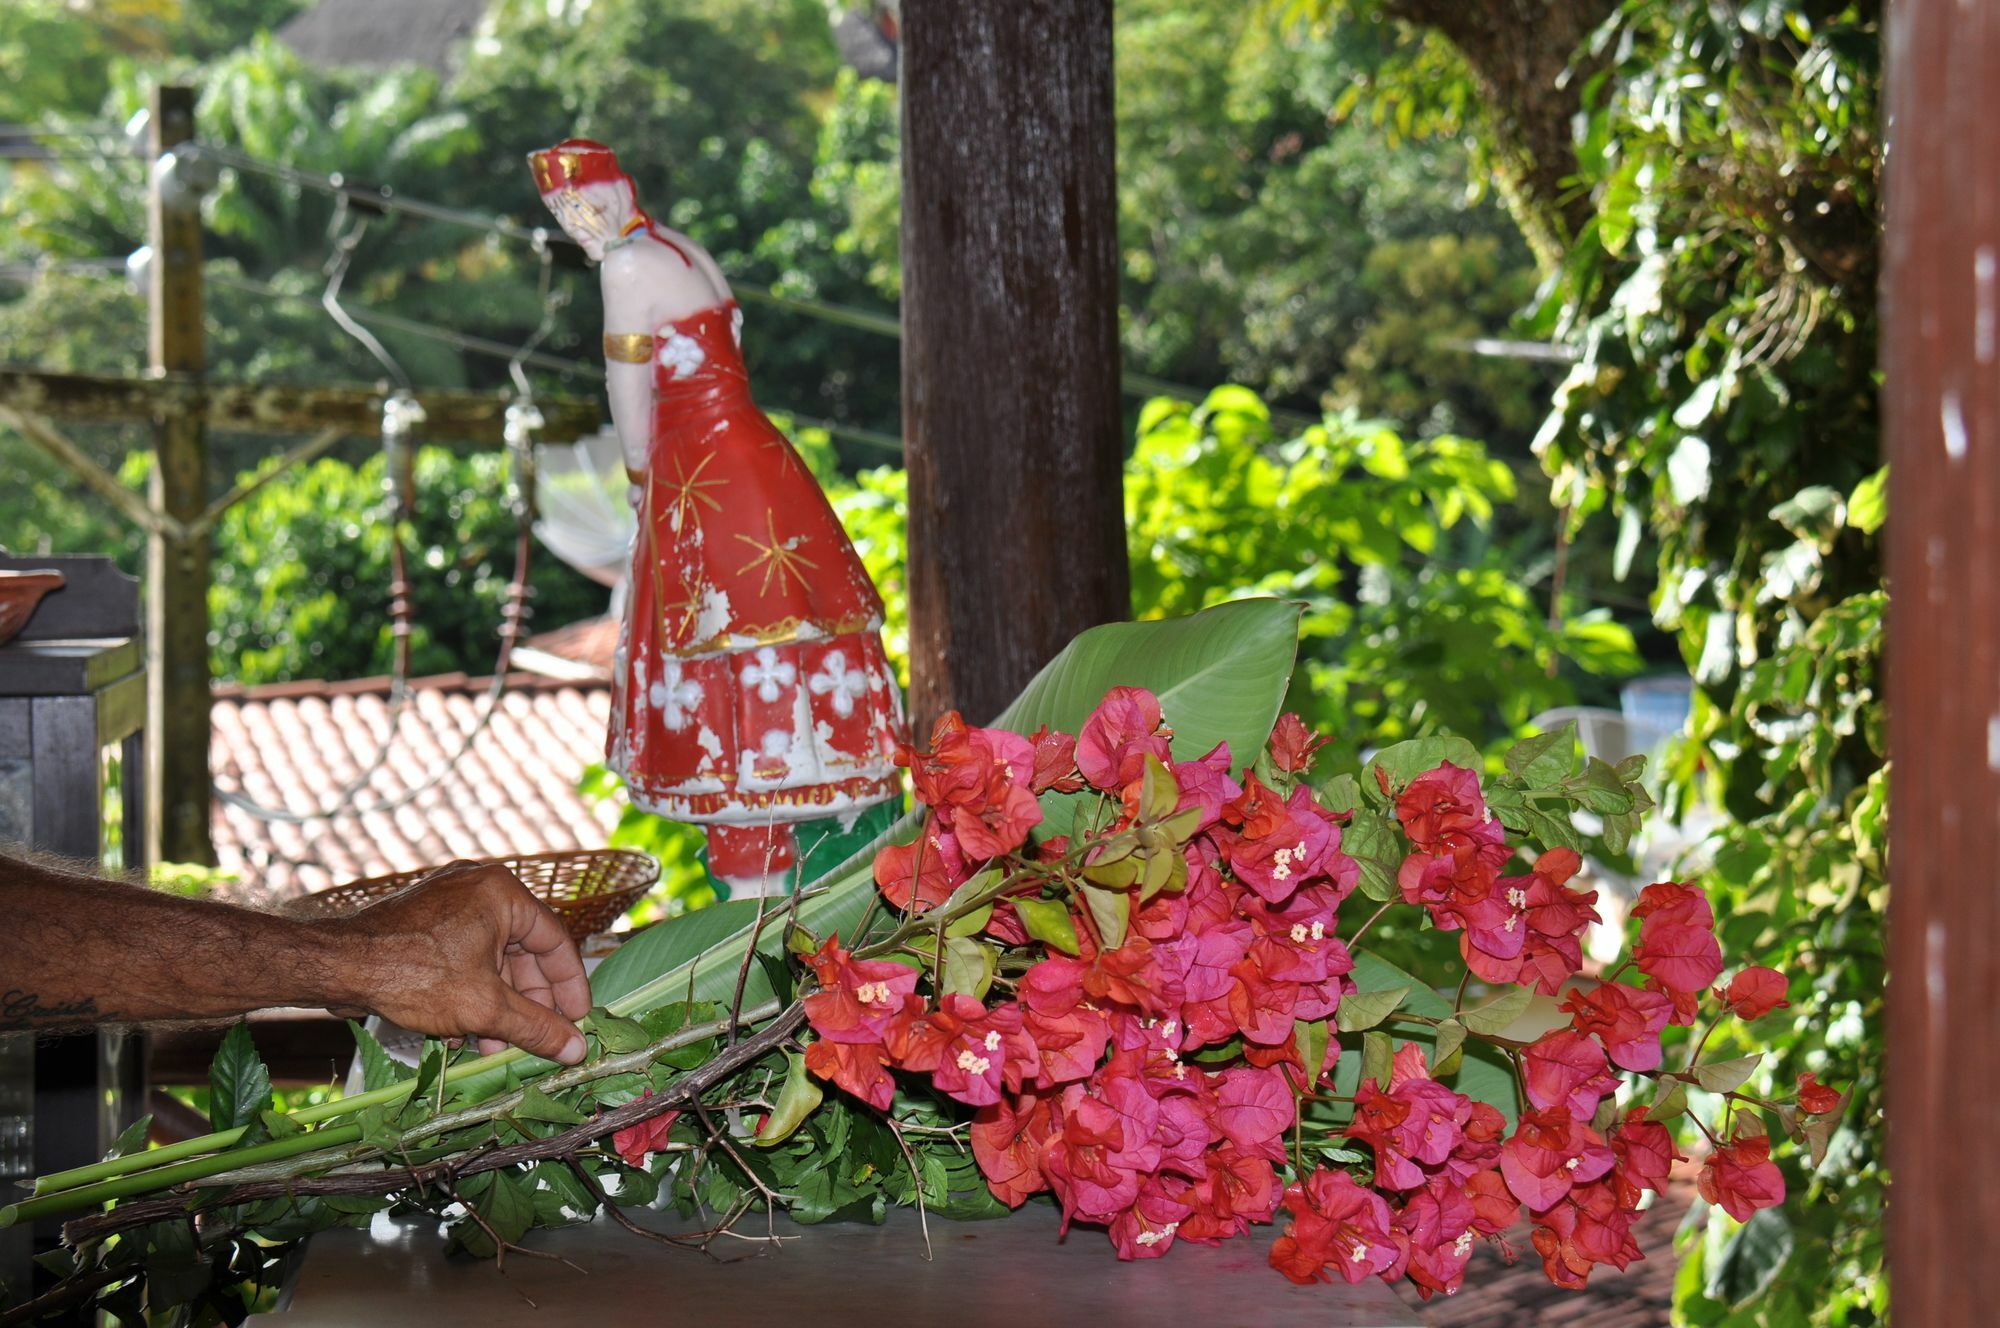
750, 690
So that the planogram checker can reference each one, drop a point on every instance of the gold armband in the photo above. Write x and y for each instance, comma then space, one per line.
628, 347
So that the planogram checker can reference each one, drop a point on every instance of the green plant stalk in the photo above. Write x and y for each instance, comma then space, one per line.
341, 1136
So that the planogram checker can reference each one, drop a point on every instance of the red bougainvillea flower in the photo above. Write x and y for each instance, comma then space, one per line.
858, 999
1339, 1229
1281, 844
970, 1051
635, 1143
1740, 1177
1677, 946
920, 876
1816, 1098
1146, 1229
1755, 992
1646, 1156
1007, 1137
1235, 1190
1546, 916
1070, 1044
1055, 762
1494, 1207
1293, 744
949, 772
1568, 1070
1587, 1228
1436, 1228
860, 1068
1627, 1020
1441, 808
1112, 746
1414, 1127
1551, 1152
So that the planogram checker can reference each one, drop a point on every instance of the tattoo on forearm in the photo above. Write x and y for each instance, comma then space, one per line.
25, 1009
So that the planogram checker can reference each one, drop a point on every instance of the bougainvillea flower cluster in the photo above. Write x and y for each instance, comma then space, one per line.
1130, 969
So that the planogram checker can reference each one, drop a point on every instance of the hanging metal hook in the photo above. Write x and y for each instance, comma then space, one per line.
344, 240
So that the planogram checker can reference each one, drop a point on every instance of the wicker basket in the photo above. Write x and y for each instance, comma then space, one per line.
589, 889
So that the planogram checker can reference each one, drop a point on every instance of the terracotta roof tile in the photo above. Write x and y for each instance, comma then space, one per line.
298, 745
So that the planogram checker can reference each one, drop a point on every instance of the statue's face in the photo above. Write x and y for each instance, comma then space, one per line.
594, 215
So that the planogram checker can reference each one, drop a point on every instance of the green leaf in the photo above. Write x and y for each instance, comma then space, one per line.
238, 1084
1669, 1103
1048, 921
1364, 1009
1378, 1058
1868, 505
1496, 1014
1545, 758
1726, 1076
797, 1100
1753, 1257
1450, 1037
539, 1106
1110, 910
278, 1125
378, 1068
1220, 675
968, 967
618, 1034
1341, 793
133, 1138
668, 945
968, 924
1406, 760
1814, 513
1376, 846
1312, 1037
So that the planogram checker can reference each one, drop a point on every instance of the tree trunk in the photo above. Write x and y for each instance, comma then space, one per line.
1011, 411
1520, 53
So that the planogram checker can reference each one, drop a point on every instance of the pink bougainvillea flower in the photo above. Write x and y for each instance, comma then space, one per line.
1339, 1229
1440, 808
1253, 1108
635, 1143
1550, 1152
1205, 784
1627, 1020
1070, 1043
1112, 746
1293, 744
973, 1051
1235, 1190
1755, 992
920, 876
1740, 1177
1546, 915
1146, 1229
858, 999
1816, 1098
1589, 1227
1569, 1070
1673, 902
1414, 1127
1281, 844
1494, 1207
859, 1067
1681, 957
1436, 1226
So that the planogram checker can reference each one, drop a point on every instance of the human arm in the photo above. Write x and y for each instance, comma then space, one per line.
466, 951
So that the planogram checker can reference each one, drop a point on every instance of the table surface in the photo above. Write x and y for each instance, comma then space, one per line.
1013, 1272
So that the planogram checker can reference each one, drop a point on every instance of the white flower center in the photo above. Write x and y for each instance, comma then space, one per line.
973, 1064
993, 1040
872, 993
1360, 1252
1155, 1237
1463, 1245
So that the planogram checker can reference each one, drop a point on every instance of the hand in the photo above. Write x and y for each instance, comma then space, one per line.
468, 951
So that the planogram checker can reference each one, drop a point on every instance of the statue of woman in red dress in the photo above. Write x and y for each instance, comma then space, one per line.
750, 690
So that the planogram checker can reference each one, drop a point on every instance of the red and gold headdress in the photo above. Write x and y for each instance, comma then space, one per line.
574, 163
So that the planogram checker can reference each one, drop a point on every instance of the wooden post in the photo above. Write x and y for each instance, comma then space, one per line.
1011, 413
177, 718
1941, 355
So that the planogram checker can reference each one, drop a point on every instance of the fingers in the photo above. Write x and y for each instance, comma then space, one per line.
533, 1028
535, 932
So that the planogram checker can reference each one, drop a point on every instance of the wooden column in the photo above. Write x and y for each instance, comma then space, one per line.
1011, 412
177, 719
1941, 352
